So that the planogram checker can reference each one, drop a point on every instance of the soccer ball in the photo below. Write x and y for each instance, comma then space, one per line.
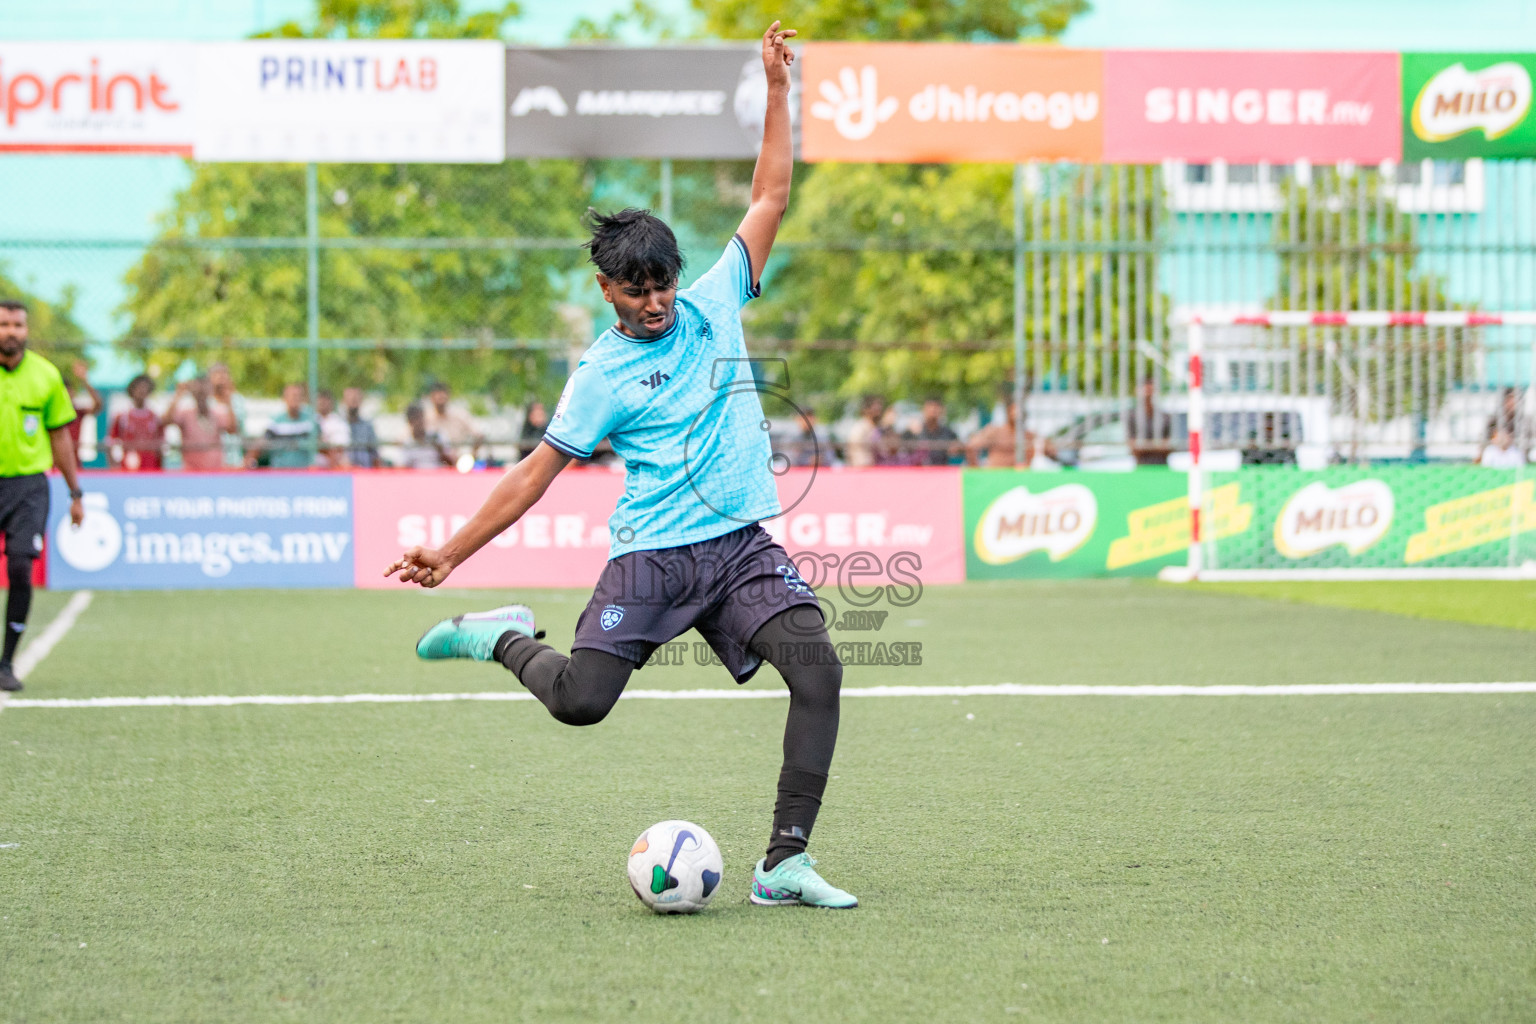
674, 867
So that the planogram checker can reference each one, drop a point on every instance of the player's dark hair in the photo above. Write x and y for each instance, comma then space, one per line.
635, 246
142, 378
14, 305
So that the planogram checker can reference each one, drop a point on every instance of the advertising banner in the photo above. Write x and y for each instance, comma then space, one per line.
1021, 524
906, 531
1251, 107
1458, 106
97, 97
951, 102
1388, 517
149, 531
682, 102
351, 101
561, 542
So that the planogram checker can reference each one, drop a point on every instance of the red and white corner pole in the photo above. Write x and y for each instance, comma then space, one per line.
1196, 430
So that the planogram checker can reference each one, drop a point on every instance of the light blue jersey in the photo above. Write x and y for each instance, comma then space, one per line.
682, 412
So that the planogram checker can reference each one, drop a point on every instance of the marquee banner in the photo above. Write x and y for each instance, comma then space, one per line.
1202, 105
683, 102
351, 101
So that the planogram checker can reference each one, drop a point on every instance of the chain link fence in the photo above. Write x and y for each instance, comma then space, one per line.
1056, 283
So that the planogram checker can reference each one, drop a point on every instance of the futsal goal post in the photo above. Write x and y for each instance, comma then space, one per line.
1391, 417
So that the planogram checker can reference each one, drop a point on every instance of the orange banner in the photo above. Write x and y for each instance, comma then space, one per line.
951, 102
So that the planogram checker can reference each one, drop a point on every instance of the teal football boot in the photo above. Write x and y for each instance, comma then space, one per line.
795, 883
474, 634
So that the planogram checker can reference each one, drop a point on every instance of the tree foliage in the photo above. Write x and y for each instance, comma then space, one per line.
399, 19
910, 20
179, 292
908, 271
371, 292
51, 326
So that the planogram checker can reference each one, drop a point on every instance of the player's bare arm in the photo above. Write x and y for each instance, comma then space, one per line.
517, 492
776, 160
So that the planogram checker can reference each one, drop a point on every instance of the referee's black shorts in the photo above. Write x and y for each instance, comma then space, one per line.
24, 514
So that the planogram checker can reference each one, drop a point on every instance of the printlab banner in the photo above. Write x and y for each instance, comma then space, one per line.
1458, 106
1391, 517
97, 97
684, 102
1021, 524
147, 531
952, 102
905, 524
351, 101
1249, 107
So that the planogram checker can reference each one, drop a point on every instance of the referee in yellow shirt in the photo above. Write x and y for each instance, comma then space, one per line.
34, 411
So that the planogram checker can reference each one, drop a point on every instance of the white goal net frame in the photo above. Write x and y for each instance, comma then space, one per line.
1196, 323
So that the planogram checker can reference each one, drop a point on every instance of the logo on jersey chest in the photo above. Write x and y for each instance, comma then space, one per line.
655, 380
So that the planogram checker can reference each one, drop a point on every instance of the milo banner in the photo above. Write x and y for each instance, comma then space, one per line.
1021, 524
1416, 517
1040, 525
1462, 105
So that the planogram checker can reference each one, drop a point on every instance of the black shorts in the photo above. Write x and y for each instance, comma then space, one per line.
726, 587
24, 514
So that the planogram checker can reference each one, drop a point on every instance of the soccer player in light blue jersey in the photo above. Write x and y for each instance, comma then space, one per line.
687, 550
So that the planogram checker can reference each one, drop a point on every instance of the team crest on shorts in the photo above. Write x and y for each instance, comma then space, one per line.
612, 616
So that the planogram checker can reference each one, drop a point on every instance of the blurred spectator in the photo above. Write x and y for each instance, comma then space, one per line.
450, 424
136, 434
997, 442
865, 442
225, 394
202, 422
293, 436
1148, 431
362, 442
335, 435
1509, 418
1501, 451
86, 400
933, 443
423, 449
812, 446
535, 422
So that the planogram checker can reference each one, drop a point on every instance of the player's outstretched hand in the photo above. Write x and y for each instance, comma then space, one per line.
777, 56
426, 566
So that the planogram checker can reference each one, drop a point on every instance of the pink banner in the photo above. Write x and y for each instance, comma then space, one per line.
1251, 107
906, 521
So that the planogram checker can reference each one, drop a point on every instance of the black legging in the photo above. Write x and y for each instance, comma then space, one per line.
18, 602
582, 689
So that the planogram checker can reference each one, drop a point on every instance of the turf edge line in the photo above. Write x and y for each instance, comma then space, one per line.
996, 690
52, 633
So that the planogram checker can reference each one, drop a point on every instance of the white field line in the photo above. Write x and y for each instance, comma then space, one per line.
998, 690
44, 643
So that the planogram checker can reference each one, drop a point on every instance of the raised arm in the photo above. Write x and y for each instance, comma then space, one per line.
524, 484
776, 159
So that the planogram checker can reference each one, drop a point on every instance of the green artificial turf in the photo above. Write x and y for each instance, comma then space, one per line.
1058, 859
1508, 603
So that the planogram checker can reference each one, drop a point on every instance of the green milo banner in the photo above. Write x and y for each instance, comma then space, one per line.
1022, 524
1461, 105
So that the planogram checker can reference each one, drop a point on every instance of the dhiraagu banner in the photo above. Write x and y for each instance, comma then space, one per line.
1462, 105
1021, 524
1378, 518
